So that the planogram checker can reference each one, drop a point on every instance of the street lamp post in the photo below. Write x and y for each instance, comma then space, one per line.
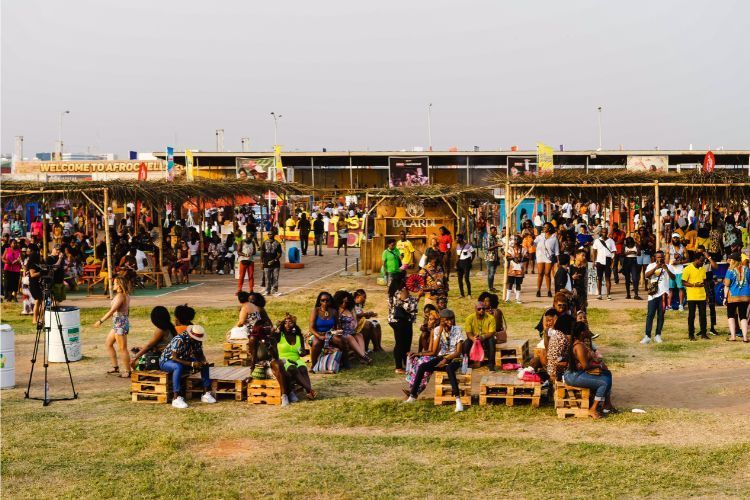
600, 126
429, 126
59, 134
276, 119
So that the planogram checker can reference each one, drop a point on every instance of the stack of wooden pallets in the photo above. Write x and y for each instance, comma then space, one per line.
572, 401
509, 389
512, 351
235, 353
226, 381
151, 386
443, 388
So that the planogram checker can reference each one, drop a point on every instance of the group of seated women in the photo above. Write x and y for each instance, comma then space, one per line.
570, 355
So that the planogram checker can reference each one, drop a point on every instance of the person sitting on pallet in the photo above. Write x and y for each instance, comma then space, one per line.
557, 340
492, 309
290, 344
183, 317
585, 368
450, 339
148, 356
480, 327
184, 352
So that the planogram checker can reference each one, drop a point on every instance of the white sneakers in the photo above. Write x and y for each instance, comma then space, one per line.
459, 405
410, 400
682, 308
647, 340
277, 294
179, 401
284, 400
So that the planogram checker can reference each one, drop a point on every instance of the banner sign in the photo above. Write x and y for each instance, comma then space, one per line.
545, 160
278, 166
87, 167
522, 165
647, 164
189, 161
254, 168
408, 171
170, 163
709, 163
142, 171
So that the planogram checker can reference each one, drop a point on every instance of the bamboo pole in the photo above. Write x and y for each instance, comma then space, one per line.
657, 214
364, 247
44, 229
201, 208
508, 216
110, 269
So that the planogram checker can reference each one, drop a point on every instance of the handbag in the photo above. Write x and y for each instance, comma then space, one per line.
400, 314
477, 352
329, 362
653, 287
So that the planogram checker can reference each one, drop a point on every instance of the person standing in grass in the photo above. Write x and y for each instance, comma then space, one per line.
677, 259
406, 249
402, 312
391, 262
492, 258
694, 279
183, 352
737, 296
658, 276
119, 311
319, 229
464, 258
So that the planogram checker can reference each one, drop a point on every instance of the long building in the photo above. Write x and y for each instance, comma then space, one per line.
356, 169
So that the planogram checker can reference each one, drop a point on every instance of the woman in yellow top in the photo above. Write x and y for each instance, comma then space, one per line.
290, 344
407, 250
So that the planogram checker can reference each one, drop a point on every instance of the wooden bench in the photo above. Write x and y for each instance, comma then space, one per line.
226, 381
443, 391
151, 386
512, 351
510, 389
151, 276
572, 401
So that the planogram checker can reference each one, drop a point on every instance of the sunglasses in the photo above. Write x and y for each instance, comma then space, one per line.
324, 299
481, 308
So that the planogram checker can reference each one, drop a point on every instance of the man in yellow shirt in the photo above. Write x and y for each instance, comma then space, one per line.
693, 279
406, 248
480, 327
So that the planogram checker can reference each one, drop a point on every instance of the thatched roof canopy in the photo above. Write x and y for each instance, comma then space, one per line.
151, 192
720, 185
431, 191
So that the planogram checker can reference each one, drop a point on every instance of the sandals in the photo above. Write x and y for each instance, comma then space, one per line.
730, 339
114, 371
311, 395
125, 374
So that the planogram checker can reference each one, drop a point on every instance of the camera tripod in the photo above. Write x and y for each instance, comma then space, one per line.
41, 329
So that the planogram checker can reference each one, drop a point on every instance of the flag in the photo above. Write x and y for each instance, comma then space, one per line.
545, 158
277, 164
142, 171
170, 163
709, 163
189, 172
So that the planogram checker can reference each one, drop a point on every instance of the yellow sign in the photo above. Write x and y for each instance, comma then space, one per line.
545, 160
189, 172
277, 164
87, 167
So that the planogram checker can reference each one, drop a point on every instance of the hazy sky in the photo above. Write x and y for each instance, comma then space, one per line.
143, 74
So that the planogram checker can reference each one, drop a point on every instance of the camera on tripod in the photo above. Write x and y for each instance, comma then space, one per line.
47, 274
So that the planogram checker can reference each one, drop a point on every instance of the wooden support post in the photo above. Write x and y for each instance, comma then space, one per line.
509, 207
110, 269
44, 230
202, 211
657, 214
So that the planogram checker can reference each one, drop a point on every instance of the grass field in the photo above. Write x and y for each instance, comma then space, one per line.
358, 441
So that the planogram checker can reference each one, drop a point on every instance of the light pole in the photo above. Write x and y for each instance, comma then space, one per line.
429, 126
600, 127
276, 119
59, 133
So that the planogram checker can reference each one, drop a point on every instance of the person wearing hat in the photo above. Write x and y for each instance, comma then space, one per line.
676, 257
737, 296
184, 352
450, 345
481, 327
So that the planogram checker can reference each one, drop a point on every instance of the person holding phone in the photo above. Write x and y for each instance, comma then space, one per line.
658, 275
694, 281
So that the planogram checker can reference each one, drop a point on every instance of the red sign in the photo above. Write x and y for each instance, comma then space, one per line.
142, 172
709, 163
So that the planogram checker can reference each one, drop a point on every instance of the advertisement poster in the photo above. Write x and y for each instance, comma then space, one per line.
254, 168
189, 165
170, 163
545, 158
709, 163
647, 164
411, 171
522, 165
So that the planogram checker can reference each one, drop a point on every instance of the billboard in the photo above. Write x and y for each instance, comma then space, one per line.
545, 158
522, 165
254, 168
408, 171
647, 164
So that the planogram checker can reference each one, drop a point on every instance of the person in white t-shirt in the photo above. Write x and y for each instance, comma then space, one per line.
658, 276
547, 251
677, 256
567, 211
604, 251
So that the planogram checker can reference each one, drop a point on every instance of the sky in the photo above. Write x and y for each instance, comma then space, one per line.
144, 74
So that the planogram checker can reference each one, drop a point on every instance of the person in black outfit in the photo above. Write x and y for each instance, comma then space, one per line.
563, 280
303, 226
319, 229
579, 277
